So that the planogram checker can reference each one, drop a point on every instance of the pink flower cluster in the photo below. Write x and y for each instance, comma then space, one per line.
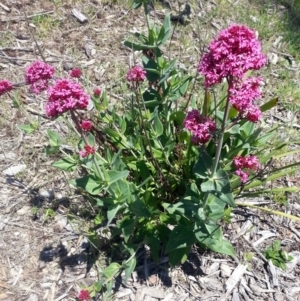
37, 76
64, 96
86, 125
201, 127
76, 73
88, 150
234, 52
84, 295
249, 162
136, 74
97, 91
5, 86
242, 95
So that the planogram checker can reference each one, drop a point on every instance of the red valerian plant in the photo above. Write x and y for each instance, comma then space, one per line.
88, 150
249, 162
136, 74
84, 295
37, 75
5, 86
86, 125
202, 128
234, 52
65, 95
76, 73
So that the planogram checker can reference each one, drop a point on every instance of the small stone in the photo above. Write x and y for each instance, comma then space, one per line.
33, 297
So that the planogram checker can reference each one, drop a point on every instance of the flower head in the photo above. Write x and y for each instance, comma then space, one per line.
86, 125
37, 76
97, 91
201, 127
64, 96
253, 113
243, 93
234, 52
136, 74
5, 86
88, 150
249, 162
84, 295
76, 73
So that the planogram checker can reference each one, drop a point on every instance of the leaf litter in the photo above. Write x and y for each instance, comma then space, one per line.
49, 259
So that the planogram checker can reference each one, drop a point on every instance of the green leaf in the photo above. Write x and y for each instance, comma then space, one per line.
112, 212
27, 128
178, 256
158, 126
66, 164
120, 190
202, 168
219, 186
115, 175
206, 103
225, 247
54, 138
127, 226
138, 208
181, 237
129, 267
89, 183
178, 117
50, 150
165, 31
111, 271
269, 105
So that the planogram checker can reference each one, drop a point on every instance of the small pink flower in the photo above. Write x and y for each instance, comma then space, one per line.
64, 96
243, 175
253, 114
136, 74
37, 76
84, 295
97, 91
5, 86
250, 162
89, 149
76, 73
86, 125
82, 154
243, 93
201, 127
234, 52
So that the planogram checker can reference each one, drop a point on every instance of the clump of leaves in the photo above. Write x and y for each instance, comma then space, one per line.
278, 256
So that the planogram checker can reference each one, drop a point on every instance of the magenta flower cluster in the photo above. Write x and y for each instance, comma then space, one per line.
88, 150
234, 52
136, 74
86, 125
248, 162
5, 86
84, 295
65, 95
38, 75
76, 73
202, 128
242, 95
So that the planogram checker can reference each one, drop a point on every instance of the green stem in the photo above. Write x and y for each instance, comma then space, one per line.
220, 142
84, 137
147, 15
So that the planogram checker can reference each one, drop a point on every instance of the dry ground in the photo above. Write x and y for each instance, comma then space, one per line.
43, 256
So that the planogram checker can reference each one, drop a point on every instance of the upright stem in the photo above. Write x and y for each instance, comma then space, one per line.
147, 15
74, 118
220, 142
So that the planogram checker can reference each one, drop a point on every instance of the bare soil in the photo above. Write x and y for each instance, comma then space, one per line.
46, 256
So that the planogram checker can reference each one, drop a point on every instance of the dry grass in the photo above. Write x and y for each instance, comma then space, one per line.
26, 238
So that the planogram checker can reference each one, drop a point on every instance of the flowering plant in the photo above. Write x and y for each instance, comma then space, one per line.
168, 169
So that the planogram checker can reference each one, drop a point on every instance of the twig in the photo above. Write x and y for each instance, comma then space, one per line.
36, 43
29, 17
16, 49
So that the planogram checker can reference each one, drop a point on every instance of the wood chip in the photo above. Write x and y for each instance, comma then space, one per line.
7, 9
79, 16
